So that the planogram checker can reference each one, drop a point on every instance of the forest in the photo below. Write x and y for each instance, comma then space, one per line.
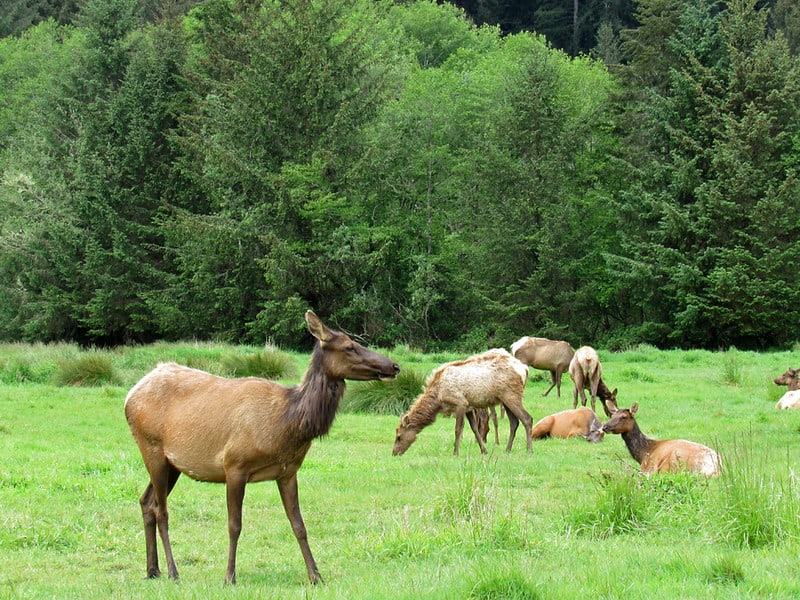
420, 173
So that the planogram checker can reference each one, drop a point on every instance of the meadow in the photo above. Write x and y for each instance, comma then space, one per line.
571, 519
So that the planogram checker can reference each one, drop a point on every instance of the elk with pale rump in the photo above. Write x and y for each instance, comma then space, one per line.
238, 431
661, 456
585, 372
459, 388
790, 399
544, 354
577, 422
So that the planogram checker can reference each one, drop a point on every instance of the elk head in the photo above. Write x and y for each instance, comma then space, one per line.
622, 421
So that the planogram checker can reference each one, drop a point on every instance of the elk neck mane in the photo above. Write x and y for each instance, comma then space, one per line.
637, 442
314, 402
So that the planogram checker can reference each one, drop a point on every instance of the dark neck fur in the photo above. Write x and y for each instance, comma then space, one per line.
423, 412
313, 403
637, 442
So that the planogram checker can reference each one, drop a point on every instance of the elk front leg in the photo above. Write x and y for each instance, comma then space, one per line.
473, 423
291, 504
234, 491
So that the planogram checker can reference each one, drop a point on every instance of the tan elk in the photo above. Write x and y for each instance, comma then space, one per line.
661, 456
239, 431
459, 388
577, 422
547, 355
585, 372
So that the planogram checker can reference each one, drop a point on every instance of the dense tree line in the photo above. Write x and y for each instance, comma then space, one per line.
211, 169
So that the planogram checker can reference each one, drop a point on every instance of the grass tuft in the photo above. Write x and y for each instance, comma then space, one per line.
732, 368
385, 397
90, 369
759, 506
269, 364
504, 586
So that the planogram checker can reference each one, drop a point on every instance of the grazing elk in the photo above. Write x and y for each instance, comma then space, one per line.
484, 416
570, 423
238, 431
790, 399
585, 372
607, 398
459, 387
661, 456
544, 354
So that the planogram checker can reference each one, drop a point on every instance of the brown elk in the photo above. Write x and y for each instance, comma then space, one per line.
791, 378
544, 354
570, 423
585, 372
661, 456
238, 431
607, 398
790, 399
459, 388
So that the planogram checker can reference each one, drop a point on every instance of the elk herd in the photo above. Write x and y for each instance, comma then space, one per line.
240, 431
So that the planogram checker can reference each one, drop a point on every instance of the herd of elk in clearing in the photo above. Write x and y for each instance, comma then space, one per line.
240, 431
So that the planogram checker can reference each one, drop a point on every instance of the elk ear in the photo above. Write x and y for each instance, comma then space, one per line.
404, 420
634, 408
317, 328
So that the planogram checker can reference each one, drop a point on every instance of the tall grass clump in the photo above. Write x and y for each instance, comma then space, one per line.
269, 364
629, 501
503, 584
758, 507
732, 368
89, 369
469, 503
385, 397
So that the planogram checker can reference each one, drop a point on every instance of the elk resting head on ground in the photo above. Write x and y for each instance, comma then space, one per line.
238, 431
570, 423
459, 388
661, 456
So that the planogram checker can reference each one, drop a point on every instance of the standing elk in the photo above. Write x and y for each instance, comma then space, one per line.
585, 372
238, 431
661, 456
459, 387
577, 422
544, 354
790, 399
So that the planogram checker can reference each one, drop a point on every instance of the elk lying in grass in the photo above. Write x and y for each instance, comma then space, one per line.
459, 388
547, 355
585, 372
791, 378
661, 456
790, 399
570, 423
238, 431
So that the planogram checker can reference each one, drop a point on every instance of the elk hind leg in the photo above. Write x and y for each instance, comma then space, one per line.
515, 407
156, 516
291, 504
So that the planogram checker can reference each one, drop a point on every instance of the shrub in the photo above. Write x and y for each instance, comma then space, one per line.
90, 369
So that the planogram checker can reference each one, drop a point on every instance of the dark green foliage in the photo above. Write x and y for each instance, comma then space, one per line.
413, 178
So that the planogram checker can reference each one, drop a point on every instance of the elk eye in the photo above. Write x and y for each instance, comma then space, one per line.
351, 349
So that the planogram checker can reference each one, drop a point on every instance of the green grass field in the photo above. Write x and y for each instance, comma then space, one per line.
569, 520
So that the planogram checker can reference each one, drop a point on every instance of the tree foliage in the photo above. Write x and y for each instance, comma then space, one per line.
176, 169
